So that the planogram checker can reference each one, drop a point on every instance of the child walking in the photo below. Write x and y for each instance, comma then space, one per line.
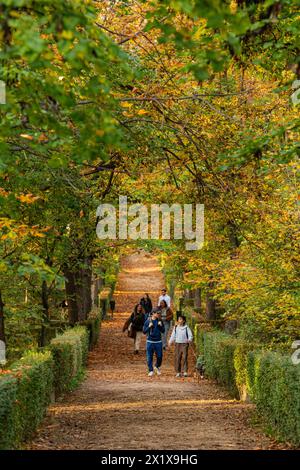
182, 337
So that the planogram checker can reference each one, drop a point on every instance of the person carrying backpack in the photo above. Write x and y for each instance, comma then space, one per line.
134, 325
182, 337
154, 328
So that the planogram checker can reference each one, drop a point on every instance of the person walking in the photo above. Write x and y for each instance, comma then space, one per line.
164, 296
147, 304
154, 328
167, 317
182, 337
134, 325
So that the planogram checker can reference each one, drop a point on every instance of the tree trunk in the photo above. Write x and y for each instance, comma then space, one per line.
197, 298
78, 291
210, 303
71, 295
45, 320
86, 287
96, 286
233, 237
2, 329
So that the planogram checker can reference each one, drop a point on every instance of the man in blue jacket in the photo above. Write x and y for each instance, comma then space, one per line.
153, 328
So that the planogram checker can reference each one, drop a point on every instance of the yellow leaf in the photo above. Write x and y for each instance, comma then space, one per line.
67, 34
26, 136
125, 104
27, 198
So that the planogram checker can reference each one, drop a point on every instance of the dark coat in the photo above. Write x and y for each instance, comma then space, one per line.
137, 320
153, 333
147, 304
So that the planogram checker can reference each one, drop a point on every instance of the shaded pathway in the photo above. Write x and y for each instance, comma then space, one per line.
119, 407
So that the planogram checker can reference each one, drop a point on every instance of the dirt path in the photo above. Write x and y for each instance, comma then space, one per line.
119, 407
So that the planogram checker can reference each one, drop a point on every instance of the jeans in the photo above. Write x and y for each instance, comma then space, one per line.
167, 324
151, 349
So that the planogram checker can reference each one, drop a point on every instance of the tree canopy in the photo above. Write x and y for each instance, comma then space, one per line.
171, 101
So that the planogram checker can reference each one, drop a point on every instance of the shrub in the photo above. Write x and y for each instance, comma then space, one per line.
274, 385
218, 351
241, 354
270, 379
70, 352
199, 333
80, 333
25, 395
104, 299
8, 393
93, 324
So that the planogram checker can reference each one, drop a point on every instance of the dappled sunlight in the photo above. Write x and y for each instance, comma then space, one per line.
118, 406
142, 292
141, 270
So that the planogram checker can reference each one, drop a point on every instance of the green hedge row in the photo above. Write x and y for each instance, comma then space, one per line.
93, 324
27, 389
269, 379
25, 394
69, 352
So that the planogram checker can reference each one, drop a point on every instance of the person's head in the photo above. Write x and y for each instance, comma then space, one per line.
139, 308
181, 320
163, 304
164, 291
146, 297
155, 314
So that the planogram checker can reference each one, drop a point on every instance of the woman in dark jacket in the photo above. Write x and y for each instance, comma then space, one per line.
147, 304
134, 325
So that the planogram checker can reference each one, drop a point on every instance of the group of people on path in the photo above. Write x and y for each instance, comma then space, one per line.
156, 323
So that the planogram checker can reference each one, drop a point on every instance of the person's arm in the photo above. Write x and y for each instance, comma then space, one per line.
126, 324
146, 327
159, 300
161, 326
169, 316
172, 338
190, 334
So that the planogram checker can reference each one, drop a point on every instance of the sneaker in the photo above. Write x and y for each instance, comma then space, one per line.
151, 374
157, 370
185, 374
178, 374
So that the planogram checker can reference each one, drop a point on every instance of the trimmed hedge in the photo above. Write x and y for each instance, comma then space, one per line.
269, 379
24, 396
93, 324
273, 382
8, 397
69, 352
218, 352
104, 298
27, 389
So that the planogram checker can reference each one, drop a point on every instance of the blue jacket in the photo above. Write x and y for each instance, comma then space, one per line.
153, 333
